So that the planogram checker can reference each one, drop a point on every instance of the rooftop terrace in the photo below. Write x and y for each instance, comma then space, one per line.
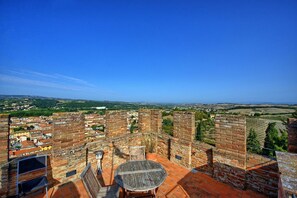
195, 169
180, 182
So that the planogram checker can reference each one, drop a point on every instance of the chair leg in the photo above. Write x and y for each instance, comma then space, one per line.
46, 192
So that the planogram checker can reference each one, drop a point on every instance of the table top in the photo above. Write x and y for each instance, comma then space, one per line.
140, 175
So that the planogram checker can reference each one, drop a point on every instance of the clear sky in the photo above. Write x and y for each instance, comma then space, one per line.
146, 50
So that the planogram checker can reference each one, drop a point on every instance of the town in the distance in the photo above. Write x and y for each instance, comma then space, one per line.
31, 120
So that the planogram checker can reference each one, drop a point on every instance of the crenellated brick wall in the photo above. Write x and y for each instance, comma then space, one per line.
262, 174
4, 146
292, 135
163, 145
144, 120
231, 139
68, 145
68, 131
180, 152
202, 157
4, 135
156, 121
184, 125
230, 152
183, 133
116, 150
227, 162
150, 120
116, 123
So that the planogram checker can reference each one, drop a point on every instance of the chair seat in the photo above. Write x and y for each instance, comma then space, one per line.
32, 185
109, 192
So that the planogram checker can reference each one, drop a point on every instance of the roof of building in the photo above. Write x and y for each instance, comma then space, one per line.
27, 144
287, 164
24, 151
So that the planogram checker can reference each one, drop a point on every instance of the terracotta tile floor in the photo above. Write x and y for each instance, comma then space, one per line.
179, 183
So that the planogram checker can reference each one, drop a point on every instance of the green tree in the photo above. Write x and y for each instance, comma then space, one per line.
274, 142
199, 132
253, 144
167, 126
133, 126
200, 115
270, 140
283, 142
20, 128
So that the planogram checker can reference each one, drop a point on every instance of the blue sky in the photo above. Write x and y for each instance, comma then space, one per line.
153, 51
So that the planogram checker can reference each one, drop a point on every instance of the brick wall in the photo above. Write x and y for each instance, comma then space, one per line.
68, 145
202, 157
292, 135
227, 162
262, 174
116, 150
183, 133
184, 125
144, 120
68, 131
163, 145
231, 139
4, 146
156, 121
150, 120
230, 152
116, 123
180, 152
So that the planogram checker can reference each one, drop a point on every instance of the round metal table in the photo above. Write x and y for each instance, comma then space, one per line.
140, 175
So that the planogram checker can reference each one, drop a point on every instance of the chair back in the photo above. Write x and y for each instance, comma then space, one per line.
31, 164
90, 181
137, 152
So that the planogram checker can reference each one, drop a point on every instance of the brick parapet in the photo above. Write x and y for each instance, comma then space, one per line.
144, 120
150, 120
180, 152
262, 174
184, 125
202, 157
230, 175
116, 123
229, 156
231, 140
163, 145
4, 147
116, 150
68, 132
292, 135
4, 137
224, 162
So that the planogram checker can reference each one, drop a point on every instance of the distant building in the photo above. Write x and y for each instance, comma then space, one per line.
101, 108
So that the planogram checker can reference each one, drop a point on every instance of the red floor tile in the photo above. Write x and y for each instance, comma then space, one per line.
179, 183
